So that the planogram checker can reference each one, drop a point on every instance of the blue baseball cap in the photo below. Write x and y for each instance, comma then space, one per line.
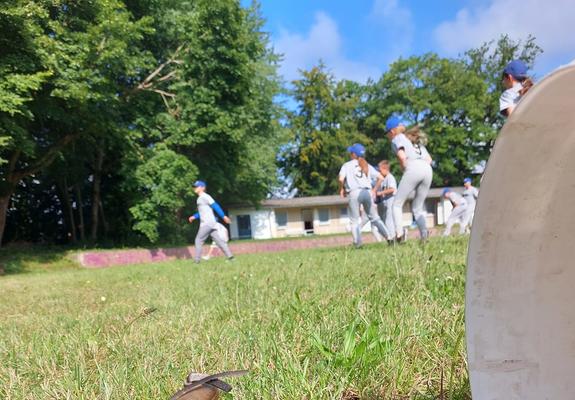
357, 149
392, 122
467, 180
199, 184
516, 68
445, 191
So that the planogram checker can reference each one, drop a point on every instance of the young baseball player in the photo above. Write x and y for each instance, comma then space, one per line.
386, 195
355, 183
516, 83
417, 174
458, 212
470, 194
374, 173
208, 223
223, 232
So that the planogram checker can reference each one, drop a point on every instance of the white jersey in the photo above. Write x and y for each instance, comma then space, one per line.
456, 199
355, 178
470, 195
510, 97
205, 210
389, 182
412, 151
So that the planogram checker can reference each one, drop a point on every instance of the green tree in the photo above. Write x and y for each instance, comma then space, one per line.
325, 123
64, 68
217, 87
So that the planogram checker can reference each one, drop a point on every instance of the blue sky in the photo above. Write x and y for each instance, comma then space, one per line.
358, 39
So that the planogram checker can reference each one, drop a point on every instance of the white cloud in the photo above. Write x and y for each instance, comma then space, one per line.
549, 21
398, 27
322, 42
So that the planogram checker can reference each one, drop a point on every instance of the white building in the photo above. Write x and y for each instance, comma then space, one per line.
319, 215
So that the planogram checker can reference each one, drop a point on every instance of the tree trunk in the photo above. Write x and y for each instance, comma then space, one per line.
80, 213
15, 175
69, 211
104, 220
4, 202
96, 193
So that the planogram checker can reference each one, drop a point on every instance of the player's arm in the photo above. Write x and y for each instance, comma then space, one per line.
341, 188
386, 192
194, 217
218, 210
402, 158
341, 181
378, 184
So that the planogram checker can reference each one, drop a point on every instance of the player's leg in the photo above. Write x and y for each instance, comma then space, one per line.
201, 236
449, 225
373, 216
468, 218
387, 217
463, 221
221, 243
407, 184
421, 192
355, 217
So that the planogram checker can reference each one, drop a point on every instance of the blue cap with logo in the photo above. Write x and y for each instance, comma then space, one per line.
392, 122
357, 149
445, 191
467, 180
199, 184
517, 69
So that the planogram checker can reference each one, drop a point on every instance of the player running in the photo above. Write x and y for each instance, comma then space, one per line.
517, 83
386, 195
208, 223
355, 183
416, 164
470, 194
458, 214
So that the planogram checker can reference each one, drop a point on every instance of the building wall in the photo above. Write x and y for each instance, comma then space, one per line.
264, 224
260, 221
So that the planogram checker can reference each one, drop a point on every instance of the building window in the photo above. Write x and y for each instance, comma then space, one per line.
323, 215
430, 206
343, 212
244, 226
281, 219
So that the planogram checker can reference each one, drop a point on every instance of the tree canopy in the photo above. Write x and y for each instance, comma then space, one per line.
110, 109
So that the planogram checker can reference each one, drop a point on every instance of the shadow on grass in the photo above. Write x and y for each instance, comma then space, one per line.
18, 259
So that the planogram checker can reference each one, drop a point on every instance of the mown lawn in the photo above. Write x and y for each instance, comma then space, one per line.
375, 323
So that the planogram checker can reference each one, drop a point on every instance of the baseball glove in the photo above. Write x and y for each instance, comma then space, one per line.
205, 387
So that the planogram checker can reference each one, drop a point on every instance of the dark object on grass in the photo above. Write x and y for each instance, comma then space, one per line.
205, 387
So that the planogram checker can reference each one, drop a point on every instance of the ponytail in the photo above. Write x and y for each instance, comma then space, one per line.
416, 135
363, 165
527, 84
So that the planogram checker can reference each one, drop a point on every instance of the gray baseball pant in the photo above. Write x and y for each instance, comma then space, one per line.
374, 229
385, 211
417, 177
469, 216
205, 231
362, 197
458, 214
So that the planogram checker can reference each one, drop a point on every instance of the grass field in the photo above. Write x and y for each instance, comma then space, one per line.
375, 323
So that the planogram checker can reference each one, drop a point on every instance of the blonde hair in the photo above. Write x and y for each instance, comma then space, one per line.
416, 135
363, 165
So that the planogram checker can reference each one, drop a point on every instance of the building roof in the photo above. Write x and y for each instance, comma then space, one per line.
311, 201
334, 200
